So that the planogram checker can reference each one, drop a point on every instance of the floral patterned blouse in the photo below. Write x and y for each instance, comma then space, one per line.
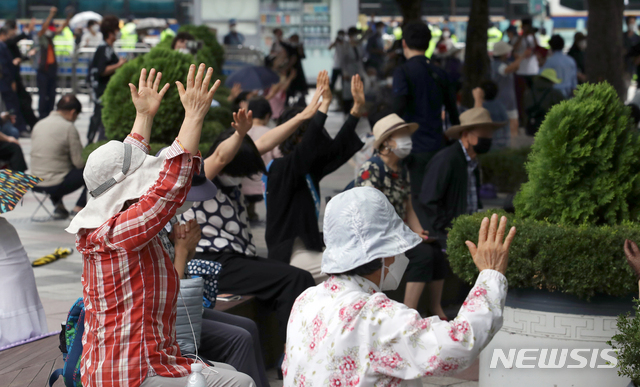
344, 332
395, 185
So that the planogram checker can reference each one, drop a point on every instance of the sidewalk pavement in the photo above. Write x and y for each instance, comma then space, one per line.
59, 283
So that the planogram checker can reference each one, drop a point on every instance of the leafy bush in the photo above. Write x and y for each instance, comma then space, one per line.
584, 165
505, 168
119, 113
627, 345
90, 148
580, 260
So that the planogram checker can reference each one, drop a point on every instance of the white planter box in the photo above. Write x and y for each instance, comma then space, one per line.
537, 330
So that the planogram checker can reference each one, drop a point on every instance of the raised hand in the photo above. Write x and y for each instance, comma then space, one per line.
146, 97
323, 82
197, 97
313, 106
242, 121
492, 252
633, 256
357, 91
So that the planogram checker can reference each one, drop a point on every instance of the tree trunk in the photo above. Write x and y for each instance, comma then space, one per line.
604, 55
411, 10
476, 57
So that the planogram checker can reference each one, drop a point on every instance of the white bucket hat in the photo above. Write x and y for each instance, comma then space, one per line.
114, 163
360, 226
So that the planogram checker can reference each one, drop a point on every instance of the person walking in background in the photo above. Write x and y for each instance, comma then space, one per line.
104, 64
233, 38
56, 155
352, 64
298, 87
375, 49
564, 66
577, 53
47, 64
629, 39
420, 91
502, 73
8, 87
337, 46
540, 99
23, 95
529, 66
485, 97
91, 37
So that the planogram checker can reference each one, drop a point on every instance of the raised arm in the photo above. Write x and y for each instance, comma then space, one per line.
196, 100
47, 21
146, 99
277, 135
65, 24
227, 150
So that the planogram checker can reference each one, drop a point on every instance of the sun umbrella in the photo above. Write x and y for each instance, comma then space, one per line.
81, 19
13, 186
151, 22
253, 78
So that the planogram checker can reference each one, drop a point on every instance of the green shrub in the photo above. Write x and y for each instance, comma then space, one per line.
119, 113
91, 147
580, 260
627, 345
584, 165
505, 168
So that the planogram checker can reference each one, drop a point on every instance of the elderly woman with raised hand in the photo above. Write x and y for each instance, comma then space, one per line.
130, 287
345, 331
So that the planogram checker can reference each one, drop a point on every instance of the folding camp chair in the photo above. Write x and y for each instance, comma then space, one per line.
41, 197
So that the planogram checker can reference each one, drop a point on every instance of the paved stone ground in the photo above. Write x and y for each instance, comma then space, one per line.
59, 282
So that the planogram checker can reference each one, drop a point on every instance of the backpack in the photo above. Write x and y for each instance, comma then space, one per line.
535, 113
71, 347
383, 173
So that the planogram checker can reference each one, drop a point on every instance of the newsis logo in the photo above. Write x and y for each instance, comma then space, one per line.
554, 358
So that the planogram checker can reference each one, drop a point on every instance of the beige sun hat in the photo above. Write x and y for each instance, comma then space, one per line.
114, 173
502, 48
473, 119
387, 125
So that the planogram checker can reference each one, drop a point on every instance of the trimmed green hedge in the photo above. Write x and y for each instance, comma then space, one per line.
627, 344
584, 167
580, 260
119, 113
505, 168
212, 53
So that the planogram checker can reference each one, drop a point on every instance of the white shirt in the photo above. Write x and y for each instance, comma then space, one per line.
89, 40
345, 332
528, 66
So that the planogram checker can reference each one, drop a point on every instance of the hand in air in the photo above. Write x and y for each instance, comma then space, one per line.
492, 252
633, 256
314, 105
323, 82
146, 98
357, 91
197, 97
242, 121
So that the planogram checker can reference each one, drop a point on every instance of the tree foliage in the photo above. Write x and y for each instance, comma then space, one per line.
119, 113
581, 260
505, 168
584, 165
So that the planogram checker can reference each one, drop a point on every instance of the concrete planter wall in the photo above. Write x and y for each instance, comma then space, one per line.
541, 322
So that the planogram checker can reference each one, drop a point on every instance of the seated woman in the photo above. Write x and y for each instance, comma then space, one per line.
346, 332
292, 191
386, 172
21, 313
226, 234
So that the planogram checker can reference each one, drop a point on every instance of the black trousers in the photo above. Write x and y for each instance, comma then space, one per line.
72, 182
417, 165
25, 103
274, 283
47, 81
95, 125
12, 153
336, 75
427, 263
233, 340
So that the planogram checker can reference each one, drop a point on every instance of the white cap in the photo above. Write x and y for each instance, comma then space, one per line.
196, 367
360, 226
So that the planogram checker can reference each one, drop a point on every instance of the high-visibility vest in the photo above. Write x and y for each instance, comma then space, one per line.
64, 42
543, 41
436, 33
397, 32
128, 36
168, 33
494, 35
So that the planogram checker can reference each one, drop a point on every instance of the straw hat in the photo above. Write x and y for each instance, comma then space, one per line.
502, 48
360, 226
473, 119
550, 75
387, 125
114, 173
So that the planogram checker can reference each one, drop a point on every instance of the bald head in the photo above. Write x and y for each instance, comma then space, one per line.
69, 107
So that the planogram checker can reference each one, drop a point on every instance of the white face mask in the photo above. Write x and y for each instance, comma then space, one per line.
403, 146
184, 208
95, 28
396, 271
49, 34
229, 181
446, 34
184, 51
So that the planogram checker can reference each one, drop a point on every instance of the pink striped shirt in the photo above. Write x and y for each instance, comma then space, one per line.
130, 285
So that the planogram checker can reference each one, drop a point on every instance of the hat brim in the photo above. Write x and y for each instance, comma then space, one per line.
99, 210
455, 132
202, 193
552, 80
412, 128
